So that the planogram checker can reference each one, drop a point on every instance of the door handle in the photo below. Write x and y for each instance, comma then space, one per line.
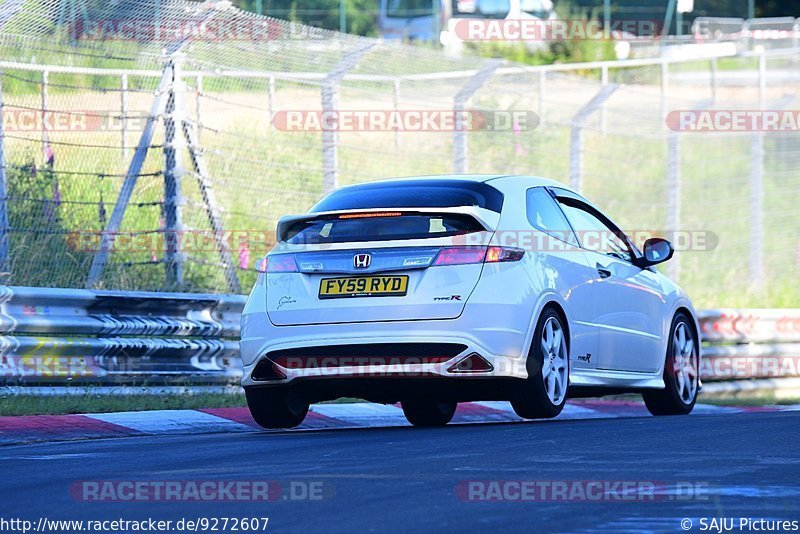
602, 271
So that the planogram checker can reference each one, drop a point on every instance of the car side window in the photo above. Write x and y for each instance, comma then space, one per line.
545, 215
594, 233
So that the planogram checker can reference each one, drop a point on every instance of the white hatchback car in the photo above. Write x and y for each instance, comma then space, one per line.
437, 290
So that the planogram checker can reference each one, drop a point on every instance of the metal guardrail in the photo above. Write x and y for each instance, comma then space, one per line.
750, 343
69, 336
61, 337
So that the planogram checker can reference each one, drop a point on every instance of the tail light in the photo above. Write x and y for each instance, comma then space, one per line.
501, 254
467, 255
278, 263
460, 255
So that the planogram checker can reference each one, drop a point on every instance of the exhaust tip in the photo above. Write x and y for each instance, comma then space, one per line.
474, 363
267, 370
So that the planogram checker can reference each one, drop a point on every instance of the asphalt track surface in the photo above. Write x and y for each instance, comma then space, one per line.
405, 479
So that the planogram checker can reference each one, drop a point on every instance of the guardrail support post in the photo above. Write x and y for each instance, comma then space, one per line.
460, 155
576, 134
5, 266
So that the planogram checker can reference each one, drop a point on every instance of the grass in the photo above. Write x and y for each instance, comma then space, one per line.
76, 404
759, 399
93, 403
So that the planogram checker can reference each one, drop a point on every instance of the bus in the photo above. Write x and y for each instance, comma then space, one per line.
429, 20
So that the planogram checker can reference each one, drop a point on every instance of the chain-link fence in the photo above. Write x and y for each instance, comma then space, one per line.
153, 145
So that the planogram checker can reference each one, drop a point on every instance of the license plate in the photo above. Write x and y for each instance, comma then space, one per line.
363, 286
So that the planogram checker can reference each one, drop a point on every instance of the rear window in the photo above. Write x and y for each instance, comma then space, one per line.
406, 226
413, 194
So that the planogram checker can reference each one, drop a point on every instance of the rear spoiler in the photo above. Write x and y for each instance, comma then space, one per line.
487, 218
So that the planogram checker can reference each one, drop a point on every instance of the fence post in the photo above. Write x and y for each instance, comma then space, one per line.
756, 263
603, 82
756, 260
756, 275
460, 157
664, 88
713, 72
396, 101
542, 85
330, 163
673, 197
576, 157
173, 174
123, 106
330, 104
271, 101
5, 266
674, 190
673, 173
45, 79
198, 115
576, 134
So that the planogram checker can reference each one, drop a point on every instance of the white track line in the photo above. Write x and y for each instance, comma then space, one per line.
363, 414
167, 421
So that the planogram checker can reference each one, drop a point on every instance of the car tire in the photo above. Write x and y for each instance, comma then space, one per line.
428, 413
681, 372
275, 408
544, 393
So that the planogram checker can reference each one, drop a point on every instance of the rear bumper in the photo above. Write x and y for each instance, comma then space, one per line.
389, 390
502, 365
496, 332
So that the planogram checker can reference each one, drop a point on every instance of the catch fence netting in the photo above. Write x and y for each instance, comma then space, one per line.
236, 144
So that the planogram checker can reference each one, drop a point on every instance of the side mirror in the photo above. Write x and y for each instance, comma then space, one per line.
656, 250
